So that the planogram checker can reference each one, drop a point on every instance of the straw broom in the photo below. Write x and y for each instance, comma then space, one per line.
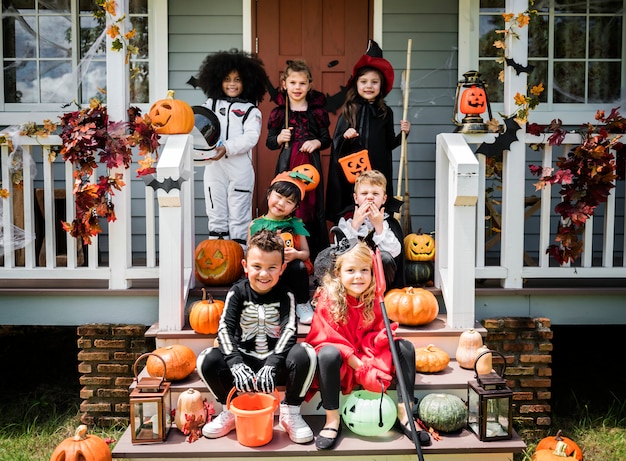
403, 168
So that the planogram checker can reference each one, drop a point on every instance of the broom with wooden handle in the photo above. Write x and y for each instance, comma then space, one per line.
404, 161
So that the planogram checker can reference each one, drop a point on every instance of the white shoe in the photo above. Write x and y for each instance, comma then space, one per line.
304, 311
292, 421
219, 426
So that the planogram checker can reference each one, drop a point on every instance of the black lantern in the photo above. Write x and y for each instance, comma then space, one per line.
150, 407
489, 400
471, 100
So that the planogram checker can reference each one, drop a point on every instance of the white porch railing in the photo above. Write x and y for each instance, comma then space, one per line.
465, 250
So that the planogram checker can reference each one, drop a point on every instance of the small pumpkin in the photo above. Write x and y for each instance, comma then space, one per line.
82, 447
218, 262
369, 413
484, 364
190, 403
287, 239
431, 359
411, 306
565, 445
179, 359
310, 172
205, 314
558, 454
419, 272
473, 101
469, 342
443, 412
419, 247
171, 116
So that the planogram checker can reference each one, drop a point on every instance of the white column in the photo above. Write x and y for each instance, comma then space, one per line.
118, 101
512, 256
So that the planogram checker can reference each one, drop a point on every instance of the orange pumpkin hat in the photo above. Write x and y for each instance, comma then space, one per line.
300, 180
373, 57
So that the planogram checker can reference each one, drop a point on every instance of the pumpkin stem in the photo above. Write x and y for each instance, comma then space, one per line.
429, 348
203, 294
170, 94
80, 433
559, 435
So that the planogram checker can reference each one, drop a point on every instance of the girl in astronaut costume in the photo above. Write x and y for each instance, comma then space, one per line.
234, 82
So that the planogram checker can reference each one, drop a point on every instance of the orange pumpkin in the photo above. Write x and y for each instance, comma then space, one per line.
171, 116
180, 361
355, 164
310, 172
568, 446
411, 306
419, 247
558, 454
473, 101
288, 239
205, 314
82, 447
431, 359
218, 261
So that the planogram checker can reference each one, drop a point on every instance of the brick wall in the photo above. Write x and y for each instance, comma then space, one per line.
105, 362
526, 345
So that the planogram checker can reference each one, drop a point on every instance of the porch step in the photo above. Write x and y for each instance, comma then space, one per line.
392, 446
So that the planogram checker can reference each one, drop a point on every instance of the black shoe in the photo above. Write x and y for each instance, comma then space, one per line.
327, 443
422, 436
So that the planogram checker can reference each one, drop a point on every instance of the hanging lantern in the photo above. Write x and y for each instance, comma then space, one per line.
368, 413
150, 407
473, 101
489, 401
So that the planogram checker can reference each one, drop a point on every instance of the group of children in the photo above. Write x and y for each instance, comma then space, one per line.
257, 333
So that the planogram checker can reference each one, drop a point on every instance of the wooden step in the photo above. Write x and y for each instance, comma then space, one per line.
392, 446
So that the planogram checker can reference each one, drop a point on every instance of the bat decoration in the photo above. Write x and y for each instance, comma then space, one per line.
518, 67
167, 184
335, 101
193, 81
502, 142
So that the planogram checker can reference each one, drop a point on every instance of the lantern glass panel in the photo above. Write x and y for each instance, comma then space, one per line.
473, 416
497, 417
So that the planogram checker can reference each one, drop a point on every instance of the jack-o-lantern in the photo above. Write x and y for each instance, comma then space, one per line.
473, 101
355, 164
288, 239
310, 172
218, 261
419, 247
171, 116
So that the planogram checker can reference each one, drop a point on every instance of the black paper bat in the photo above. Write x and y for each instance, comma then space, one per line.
502, 142
193, 81
167, 184
518, 67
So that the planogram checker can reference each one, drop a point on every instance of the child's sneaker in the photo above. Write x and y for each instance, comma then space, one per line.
221, 425
304, 311
292, 421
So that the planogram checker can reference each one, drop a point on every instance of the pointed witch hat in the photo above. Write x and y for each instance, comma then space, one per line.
373, 57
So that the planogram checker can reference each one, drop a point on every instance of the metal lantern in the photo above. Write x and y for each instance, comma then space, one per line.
150, 407
489, 400
473, 101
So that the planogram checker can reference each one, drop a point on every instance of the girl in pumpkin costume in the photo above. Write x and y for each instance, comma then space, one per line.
349, 336
301, 137
366, 122
234, 82
283, 198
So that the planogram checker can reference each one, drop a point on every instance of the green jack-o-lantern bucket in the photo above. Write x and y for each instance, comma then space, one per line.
369, 414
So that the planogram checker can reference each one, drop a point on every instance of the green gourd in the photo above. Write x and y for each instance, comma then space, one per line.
443, 412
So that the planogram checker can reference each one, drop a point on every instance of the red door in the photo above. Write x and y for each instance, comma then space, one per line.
330, 35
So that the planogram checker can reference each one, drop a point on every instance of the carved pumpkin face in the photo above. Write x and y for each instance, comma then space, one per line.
218, 261
310, 172
473, 101
355, 164
419, 247
171, 116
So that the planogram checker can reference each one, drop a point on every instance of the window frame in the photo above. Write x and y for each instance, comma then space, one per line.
544, 113
19, 113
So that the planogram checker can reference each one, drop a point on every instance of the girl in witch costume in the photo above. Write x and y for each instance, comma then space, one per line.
299, 126
283, 197
366, 122
234, 82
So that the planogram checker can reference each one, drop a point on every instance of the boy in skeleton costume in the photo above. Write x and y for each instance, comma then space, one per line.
257, 342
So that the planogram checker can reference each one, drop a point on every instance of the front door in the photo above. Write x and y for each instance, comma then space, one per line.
330, 35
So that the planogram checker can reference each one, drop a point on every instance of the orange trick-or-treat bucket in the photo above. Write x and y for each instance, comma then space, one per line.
254, 416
